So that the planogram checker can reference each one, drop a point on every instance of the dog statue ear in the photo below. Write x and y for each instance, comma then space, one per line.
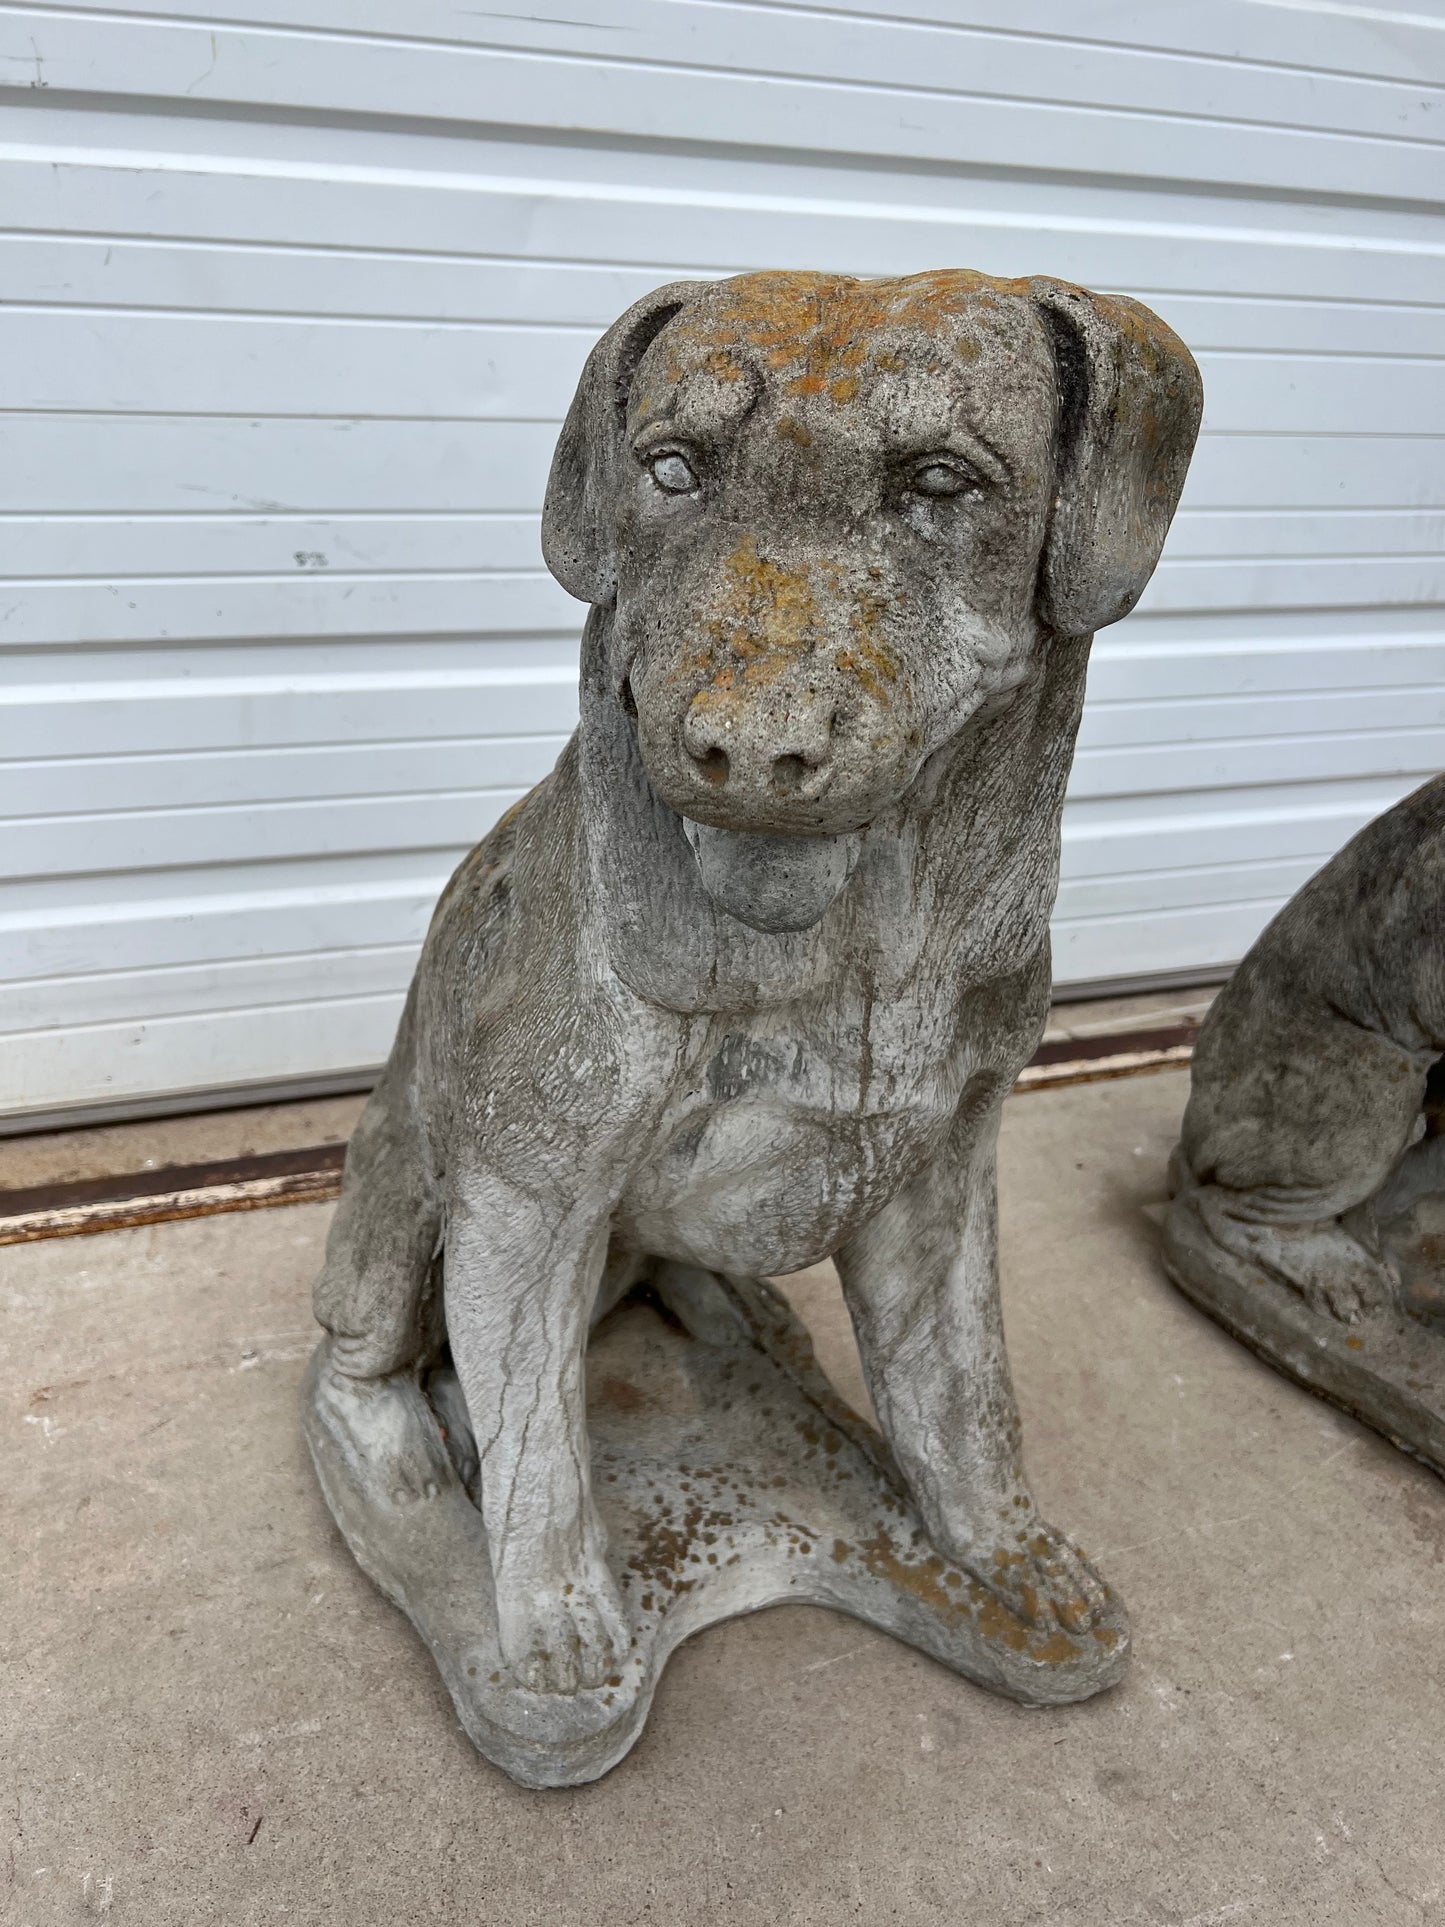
577, 516
1129, 404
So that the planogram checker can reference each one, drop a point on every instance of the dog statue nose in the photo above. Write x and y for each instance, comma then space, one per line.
746, 754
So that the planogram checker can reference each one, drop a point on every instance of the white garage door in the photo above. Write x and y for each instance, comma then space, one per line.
293, 303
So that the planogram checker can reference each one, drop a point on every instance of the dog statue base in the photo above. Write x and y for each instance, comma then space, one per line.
730, 1476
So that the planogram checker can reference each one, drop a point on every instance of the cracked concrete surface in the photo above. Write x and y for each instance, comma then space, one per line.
208, 1714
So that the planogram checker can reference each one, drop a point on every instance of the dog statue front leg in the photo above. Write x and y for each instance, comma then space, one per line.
520, 1283
922, 1286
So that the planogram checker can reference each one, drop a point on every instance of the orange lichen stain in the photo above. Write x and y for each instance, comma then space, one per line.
1057, 1650
841, 1549
790, 430
665, 1549
824, 333
869, 660
1106, 1636
479, 863
1152, 340
765, 616
880, 1556
848, 662
938, 1585
995, 1621
769, 608
824, 327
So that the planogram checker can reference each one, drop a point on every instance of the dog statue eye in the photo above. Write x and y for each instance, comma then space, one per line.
672, 473
939, 479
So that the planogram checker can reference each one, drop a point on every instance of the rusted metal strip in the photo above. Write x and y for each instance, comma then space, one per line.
1092, 1070
312, 1175
85, 1205
1065, 1052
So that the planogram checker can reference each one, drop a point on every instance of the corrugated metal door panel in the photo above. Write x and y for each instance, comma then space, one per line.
481, 372
279, 397
774, 75
1364, 40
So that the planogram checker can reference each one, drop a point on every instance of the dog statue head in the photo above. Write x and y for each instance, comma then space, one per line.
835, 521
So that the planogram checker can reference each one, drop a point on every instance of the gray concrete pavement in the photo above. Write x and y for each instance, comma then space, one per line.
208, 1715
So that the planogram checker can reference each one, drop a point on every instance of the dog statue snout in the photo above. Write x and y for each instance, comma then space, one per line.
756, 757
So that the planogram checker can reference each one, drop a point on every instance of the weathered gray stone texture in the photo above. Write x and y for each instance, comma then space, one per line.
743, 983
1310, 1179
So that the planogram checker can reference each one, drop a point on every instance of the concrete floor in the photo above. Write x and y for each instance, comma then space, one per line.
208, 1714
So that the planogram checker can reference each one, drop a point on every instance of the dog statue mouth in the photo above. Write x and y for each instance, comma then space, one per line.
775, 884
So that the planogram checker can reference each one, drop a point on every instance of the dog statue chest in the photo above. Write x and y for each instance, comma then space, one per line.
775, 1148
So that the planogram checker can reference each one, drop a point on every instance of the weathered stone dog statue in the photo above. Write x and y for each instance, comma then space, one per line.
741, 986
1309, 1215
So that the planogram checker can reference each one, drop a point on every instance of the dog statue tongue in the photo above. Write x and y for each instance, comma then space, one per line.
772, 883
845, 544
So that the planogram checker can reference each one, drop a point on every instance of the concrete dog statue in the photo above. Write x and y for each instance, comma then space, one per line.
743, 983
1309, 1210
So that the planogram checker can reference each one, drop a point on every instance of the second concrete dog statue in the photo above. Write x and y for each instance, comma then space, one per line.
1309, 1209
742, 986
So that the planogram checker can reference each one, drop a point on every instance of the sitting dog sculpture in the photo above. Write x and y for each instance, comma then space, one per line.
743, 983
1309, 1214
